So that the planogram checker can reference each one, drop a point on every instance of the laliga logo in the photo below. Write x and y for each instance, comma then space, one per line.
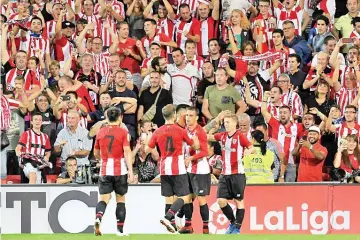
319, 220
218, 223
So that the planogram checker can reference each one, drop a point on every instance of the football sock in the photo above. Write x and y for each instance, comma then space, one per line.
174, 208
120, 216
228, 212
181, 213
204, 212
167, 207
188, 209
240, 213
100, 209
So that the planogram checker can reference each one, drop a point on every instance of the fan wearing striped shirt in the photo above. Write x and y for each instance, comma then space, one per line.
34, 149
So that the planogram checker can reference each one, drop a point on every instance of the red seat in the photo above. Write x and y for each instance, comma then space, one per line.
13, 179
51, 178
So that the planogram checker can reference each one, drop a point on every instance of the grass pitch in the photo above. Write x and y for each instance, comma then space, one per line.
175, 237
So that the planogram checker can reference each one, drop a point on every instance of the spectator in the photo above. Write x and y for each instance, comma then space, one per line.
159, 64
105, 102
347, 160
296, 42
190, 55
239, 27
222, 96
184, 78
73, 141
154, 95
34, 151
126, 100
215, 161
322, 24
146, 164
69, 175
186, 27
297, 76
136, 19
294, 131
312, 155
107, 81
258, 165
321, 101
244, 123
274, 146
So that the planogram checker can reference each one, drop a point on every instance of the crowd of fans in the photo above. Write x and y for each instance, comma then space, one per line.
287, 68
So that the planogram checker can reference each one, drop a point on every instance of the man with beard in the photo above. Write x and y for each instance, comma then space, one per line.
312, 155
152, 94
286, 132
184, 78
215, 56
259, 82
208, 80
159, 64
122, 95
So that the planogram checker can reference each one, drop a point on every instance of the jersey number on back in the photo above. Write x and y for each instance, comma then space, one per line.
110, 143
169, 145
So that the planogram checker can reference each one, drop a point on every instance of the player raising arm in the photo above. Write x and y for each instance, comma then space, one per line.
232, 179
113, 151
174, 179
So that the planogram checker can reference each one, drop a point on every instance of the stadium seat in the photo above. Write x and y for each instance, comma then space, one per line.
13, 179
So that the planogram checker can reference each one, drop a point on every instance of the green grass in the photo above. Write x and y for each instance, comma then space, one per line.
176, 237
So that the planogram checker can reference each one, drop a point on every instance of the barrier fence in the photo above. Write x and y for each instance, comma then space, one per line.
270, 209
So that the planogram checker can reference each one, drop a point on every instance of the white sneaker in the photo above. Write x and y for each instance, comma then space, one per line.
97, 231
120, 234
179, 222
166, 223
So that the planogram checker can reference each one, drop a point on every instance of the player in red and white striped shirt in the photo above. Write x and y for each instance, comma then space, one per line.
286, 132
186, 27
112, 149
288, 11
209, 25
111, 11
174, 179
232, 181
199, 172
191, 57
34, 148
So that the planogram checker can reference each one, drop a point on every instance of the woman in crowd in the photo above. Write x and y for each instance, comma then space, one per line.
347, 160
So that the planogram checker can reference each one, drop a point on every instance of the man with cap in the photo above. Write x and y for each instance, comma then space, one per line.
312, 155
64, 44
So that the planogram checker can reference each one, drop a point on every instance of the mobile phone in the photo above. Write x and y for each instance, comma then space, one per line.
143, 136
347, 40
304, 137
65, 98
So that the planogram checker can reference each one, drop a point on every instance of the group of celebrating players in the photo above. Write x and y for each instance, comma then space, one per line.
183, 165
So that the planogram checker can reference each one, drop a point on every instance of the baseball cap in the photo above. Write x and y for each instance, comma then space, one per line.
67, 24
314, 129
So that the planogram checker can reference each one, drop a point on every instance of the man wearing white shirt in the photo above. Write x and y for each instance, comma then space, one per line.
184, 79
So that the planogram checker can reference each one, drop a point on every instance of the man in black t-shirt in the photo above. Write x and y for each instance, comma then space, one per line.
126, 100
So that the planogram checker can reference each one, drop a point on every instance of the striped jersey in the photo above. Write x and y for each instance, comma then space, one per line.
111, 141
192, 27
232, 152
295, 15
34, 145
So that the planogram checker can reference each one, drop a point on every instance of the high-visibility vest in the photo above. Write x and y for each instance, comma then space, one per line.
258, 167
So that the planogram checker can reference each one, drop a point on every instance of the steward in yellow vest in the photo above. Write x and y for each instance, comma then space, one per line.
258, 165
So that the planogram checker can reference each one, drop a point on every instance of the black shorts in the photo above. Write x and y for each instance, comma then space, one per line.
174, 185
231, 186
108, 184
200, 184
